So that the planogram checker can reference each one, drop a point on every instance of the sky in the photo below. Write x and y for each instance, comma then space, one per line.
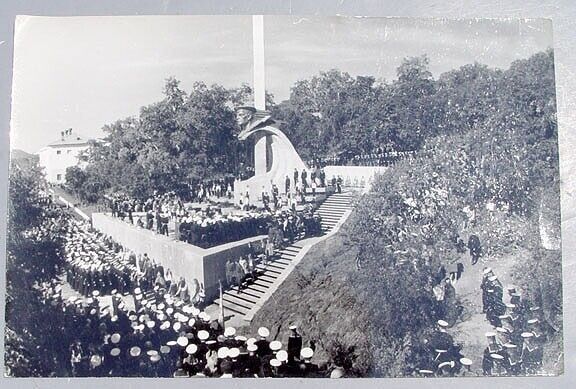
86, 72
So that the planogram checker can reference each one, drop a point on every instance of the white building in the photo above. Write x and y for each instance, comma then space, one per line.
61, 154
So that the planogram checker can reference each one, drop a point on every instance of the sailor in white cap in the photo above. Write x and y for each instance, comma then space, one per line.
446, 368
467, 363
262, 343
307, 368
441, 340
426, 372
498, 363
485, 285
532, 353
275, 346
294, 344
492, 348
253, 361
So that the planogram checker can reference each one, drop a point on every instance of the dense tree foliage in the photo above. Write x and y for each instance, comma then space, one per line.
487, 145
33, 256
181, 139
497, 153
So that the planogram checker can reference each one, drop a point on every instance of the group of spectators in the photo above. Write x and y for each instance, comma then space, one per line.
209, 227
161, 336
212, 189
379, 157
515, 347
441, 356
96, 263
145, 328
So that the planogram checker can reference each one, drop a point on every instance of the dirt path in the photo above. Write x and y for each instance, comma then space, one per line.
470, 332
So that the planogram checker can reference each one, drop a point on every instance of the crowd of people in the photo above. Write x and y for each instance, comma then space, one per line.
441, 355
96, 263
161, 336
516, 345
208, 226
123, 321
379, 157
212, 190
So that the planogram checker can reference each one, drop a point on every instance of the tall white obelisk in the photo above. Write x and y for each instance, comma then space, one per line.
260, 142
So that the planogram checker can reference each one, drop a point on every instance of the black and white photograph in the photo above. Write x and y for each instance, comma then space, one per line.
283, 197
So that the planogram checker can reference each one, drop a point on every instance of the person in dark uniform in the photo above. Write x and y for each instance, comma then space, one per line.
475, 248
294, 345
484, 286
322, 178
308, 369
440, 342
263, 344
532, 354
492, 348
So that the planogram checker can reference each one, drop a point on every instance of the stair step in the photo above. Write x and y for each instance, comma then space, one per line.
279, 264
287, 253
262, 284
265, 280
254, 289
271, 268
245, 297
235, 309
335, 207
328, 212
268, 277
331, 217
250, 293
236, 302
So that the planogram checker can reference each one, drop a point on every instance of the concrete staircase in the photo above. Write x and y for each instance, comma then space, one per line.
241, 303
332, 210
242, 306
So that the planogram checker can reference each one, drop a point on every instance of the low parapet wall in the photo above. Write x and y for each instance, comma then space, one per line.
183, 259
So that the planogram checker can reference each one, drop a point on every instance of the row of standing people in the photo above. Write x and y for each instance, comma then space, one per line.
516, 345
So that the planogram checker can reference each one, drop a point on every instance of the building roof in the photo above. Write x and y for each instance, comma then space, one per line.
70, 138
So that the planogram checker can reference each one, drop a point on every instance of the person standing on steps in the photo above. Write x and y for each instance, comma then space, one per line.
339, 184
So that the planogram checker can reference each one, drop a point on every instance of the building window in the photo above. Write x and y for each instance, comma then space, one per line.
58, 177
58, 152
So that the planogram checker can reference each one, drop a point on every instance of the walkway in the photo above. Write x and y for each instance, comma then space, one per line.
471, 330
239, 309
